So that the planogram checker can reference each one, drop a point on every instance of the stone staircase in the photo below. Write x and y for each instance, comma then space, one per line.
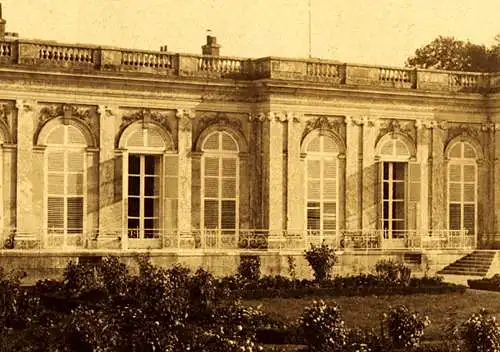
477, 263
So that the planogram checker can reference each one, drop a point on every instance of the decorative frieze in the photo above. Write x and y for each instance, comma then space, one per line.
323, 124
464, 131
280, 116
86, 114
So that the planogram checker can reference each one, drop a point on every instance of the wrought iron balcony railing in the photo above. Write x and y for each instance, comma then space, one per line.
235, 239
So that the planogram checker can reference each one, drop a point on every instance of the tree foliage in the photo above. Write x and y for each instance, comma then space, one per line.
448, 53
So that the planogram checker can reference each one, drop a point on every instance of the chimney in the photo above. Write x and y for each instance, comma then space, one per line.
164, 48
2, 24
211, 48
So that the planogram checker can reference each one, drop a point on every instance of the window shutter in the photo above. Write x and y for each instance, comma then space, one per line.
171, 192
414, 177
379, 193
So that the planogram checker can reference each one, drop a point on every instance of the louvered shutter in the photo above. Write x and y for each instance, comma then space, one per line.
414, 178
171, 192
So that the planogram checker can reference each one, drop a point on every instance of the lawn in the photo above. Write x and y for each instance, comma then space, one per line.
365, 312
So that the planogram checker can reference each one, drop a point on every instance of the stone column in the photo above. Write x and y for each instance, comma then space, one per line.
353, 176
295, 185
184, 138
24, 181
369, 174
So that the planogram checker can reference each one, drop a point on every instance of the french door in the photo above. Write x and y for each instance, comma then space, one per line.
394, 199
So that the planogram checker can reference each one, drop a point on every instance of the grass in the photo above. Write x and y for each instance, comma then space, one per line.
443, 310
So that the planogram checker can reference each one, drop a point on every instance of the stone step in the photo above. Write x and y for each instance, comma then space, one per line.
476, 263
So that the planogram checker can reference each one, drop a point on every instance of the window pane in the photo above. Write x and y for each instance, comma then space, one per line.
133, 224
469, 173
454, 217
211, 187
228, 143
75, 214
329, 169
314, 168
398, 210
55, 212
455, 192
469, 218
313, 219
469, 152
399, 171
469, 193
386, 190
211, 166
456, 151
229, 167
74, 185
314, 145
55, 184
133, 206
228, 216
211, 214
228, 188
313, 204
151, 186
329, 145
455, 173
55, 160
75, 161
212, 142
134, 164
134, 185
150, 207
386, 210
314, 189
152, 164
398, 190
386, 171
329, 208
330, 189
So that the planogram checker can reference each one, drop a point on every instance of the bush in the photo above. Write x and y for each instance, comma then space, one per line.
321, 259
393, 273
323, 328
249, 268
481, 333
405, 328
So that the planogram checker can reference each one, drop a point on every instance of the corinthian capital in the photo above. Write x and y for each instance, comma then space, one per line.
25, 105
185, 113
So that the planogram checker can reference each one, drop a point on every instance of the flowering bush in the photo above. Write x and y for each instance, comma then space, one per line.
249, 268
323, 327
481, 333
393, 273
405, 328
321, 259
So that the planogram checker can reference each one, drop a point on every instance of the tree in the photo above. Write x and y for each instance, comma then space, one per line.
448, 53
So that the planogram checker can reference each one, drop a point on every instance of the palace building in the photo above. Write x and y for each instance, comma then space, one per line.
203, 158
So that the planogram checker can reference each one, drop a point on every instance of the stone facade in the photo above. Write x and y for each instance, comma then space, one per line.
272, 109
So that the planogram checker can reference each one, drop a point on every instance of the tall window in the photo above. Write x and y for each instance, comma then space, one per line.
394, 182
220, 175
65, 180
151, 180
462, 187
322, 185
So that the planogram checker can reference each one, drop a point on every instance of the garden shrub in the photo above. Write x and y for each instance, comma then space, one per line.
405, 328
323, 328
249, 267
393, 273
481, 333
322, 259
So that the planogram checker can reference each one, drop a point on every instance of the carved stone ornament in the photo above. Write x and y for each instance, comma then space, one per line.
220, 119
25, 105
361, 120
67, 111
146, 116
323, 124
104, 110
465, 131
185, 117
5, 110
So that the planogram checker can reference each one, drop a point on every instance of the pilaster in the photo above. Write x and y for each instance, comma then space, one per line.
110, 211
496, 185
370, 129
24, 182
295, 186
275, 172
184, 138
423, 155
353, 192
437, 215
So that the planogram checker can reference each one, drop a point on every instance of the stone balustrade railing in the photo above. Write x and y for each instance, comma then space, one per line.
40, 54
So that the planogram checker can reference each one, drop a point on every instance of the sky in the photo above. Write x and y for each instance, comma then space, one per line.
378, 32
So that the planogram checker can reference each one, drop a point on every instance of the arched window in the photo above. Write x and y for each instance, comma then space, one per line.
151, 184
399, 189
66, 180
322, 185
462, 187
220, 180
